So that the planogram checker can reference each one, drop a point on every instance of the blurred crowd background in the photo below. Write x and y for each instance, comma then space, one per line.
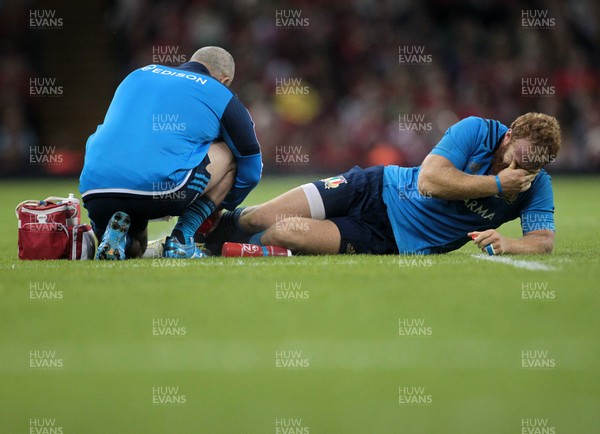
323, 80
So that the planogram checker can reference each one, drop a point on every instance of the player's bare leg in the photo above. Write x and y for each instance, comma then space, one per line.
240, 225
222, 172
304, 235
290, 204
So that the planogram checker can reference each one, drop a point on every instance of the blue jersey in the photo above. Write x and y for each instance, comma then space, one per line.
425, 225
159, 127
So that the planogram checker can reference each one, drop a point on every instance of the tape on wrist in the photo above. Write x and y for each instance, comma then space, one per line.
498, 184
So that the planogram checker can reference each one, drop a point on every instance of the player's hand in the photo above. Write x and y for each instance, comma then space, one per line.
491, 236
515, 180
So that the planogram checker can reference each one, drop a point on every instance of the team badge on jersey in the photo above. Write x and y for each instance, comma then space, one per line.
474, 167
508, 198
334, 181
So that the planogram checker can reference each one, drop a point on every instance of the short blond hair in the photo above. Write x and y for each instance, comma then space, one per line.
543, 131
219, 62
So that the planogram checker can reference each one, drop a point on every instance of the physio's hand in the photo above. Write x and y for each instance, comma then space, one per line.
208, 226
491, 236
515, 180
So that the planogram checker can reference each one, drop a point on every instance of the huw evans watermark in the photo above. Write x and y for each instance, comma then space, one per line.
413, 327
536, 426
44, 426
291, 223
45, 87
290, 426
44, 291
414, 122
537, 19
537, 222
161, 262
537, 291
291, 359
408, 193
413, 55
535, 154
412, 395
290, 291
291, 86
167, 55
168, 396
291, 155
44, 156
414, 261
291, 19
45, 19
167, 123
537, 87
172, 191
537, 359
45, 359
162, 327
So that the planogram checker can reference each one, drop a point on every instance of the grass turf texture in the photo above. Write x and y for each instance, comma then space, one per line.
347, 328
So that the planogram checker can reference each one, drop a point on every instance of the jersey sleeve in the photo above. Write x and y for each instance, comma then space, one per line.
237, 130
461, 141
537, 212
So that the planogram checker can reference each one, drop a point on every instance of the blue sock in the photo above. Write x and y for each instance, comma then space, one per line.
229, 228
255, 239
191, 219
230, 221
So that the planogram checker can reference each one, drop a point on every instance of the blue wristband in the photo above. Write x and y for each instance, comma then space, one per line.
498, 184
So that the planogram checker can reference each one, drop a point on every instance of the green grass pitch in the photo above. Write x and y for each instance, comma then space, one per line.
450, 344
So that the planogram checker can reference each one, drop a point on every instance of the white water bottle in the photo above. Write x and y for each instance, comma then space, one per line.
75, 219
72, 199
62, 200
75, 202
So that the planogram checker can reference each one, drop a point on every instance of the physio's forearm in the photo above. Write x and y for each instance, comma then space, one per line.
452, 184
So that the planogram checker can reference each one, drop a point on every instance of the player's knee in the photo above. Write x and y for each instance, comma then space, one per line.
232, 167
290, 232
229, 176
279, 238
219, 152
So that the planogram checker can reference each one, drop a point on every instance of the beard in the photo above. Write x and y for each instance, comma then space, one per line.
498, 165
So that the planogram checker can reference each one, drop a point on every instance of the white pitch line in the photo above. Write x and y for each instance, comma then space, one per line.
517, 263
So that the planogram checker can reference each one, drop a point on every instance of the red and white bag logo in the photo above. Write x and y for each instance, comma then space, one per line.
52, 229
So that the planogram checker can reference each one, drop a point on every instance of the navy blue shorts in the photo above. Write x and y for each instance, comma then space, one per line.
141, 208
353, 202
